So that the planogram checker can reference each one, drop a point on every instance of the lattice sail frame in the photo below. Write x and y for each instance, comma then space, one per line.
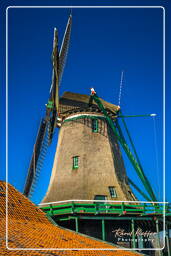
48, 124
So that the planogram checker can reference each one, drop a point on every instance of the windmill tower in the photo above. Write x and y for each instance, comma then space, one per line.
88, 163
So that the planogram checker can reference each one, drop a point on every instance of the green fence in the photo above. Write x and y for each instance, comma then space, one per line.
107, 208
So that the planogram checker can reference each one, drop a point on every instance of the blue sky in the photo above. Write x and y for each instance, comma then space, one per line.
103, 43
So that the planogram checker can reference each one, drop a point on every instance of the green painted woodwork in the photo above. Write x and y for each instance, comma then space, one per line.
51, 210
132, 159
75, 162
50, 104
103, 230
134, 115
76, 225
122, 207
83, 117
50, 219
95, 125
95, 208
138, 189
130, 139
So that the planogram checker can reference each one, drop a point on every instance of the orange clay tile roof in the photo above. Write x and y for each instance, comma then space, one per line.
28, 227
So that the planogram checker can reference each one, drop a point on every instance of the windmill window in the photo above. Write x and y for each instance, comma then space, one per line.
75, 162
100, 197
112, 191
95, 125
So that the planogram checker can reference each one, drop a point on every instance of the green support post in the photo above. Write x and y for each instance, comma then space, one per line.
73, 207
138, 189
51, 210
131, 141
122, 207
103, 230
76, 225
96, 208
50, 219
135, 161
134, 115
133, 233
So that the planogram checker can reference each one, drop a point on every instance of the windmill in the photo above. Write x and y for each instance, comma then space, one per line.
88, 163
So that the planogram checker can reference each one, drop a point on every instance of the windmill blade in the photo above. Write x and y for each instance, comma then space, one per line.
64, 48
52, 108
63, 51
58, 60
39, 147
48, 124
55, 75
52, 126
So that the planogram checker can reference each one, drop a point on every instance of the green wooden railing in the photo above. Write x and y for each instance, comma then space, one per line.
107, 208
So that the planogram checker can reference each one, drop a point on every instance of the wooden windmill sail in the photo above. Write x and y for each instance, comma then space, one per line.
48, 123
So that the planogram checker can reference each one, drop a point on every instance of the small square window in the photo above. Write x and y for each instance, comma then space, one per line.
75, 162
100, 197
112, 191
95, 127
